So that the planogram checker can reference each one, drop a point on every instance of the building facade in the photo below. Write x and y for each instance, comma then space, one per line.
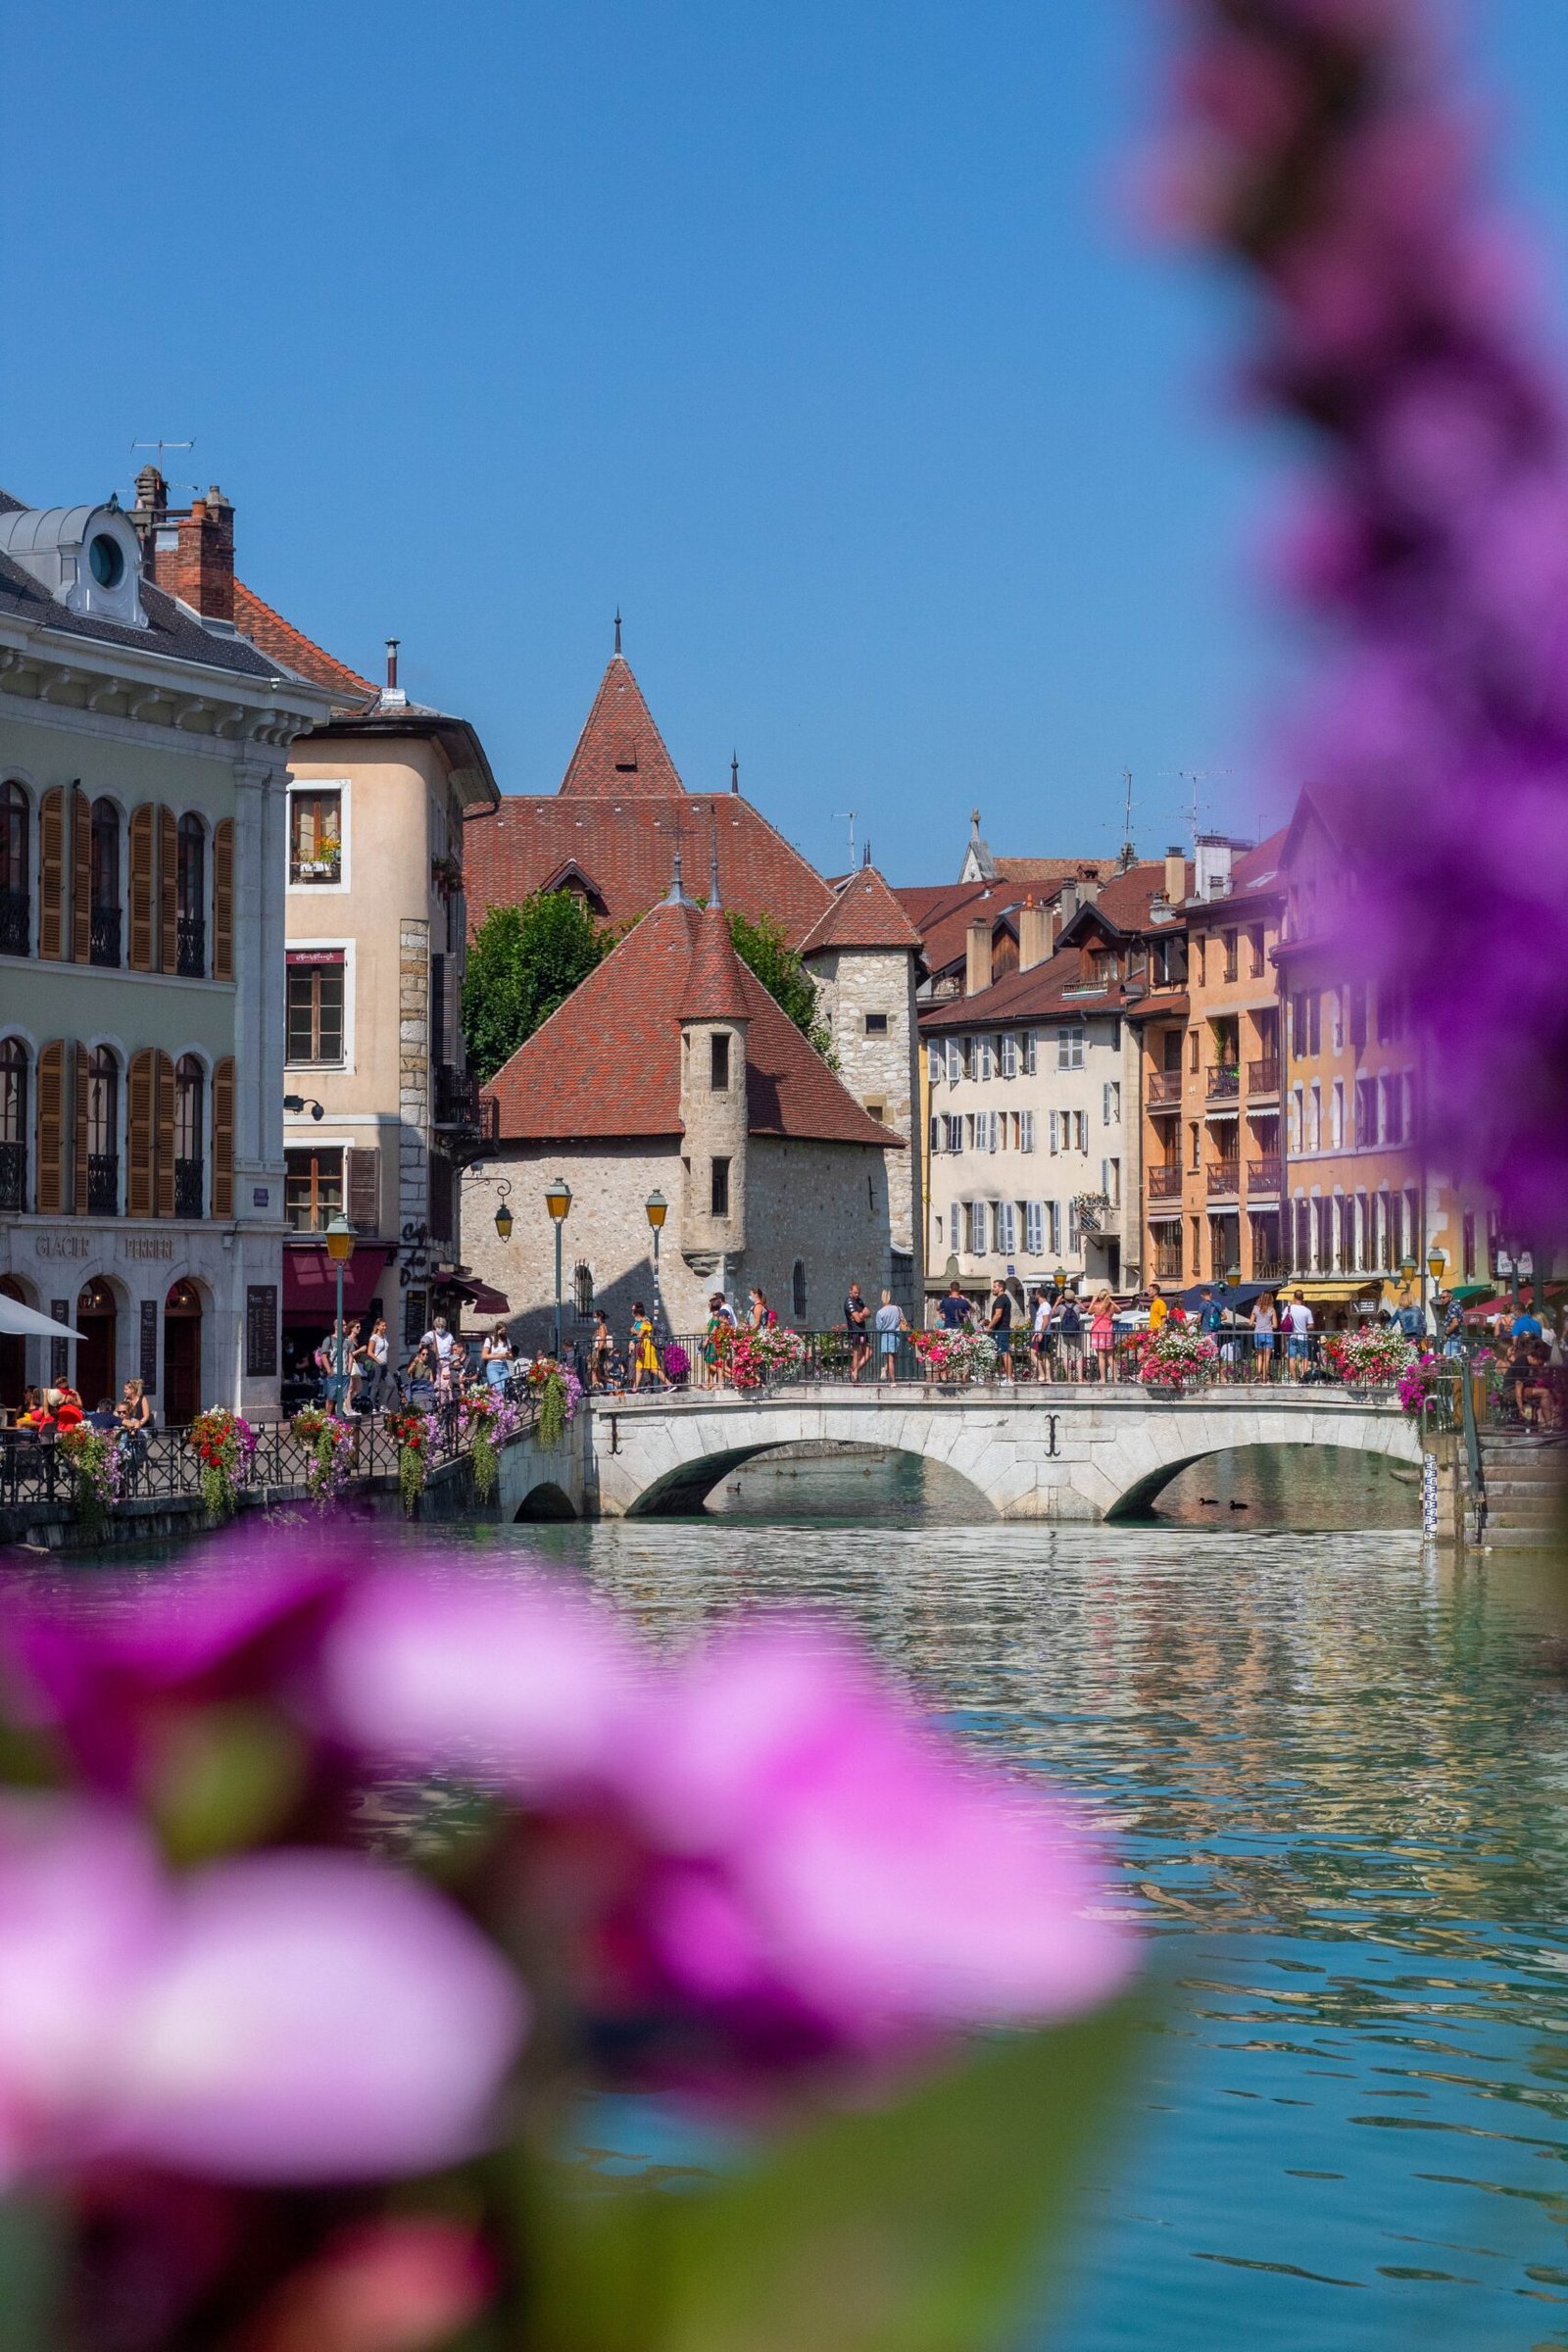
143, 747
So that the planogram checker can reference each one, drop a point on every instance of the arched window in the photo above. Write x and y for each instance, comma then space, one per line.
16, 889
798, 1290
582, 1291
190, 1107
191, 956
103, 1132
14, 1126
105, 882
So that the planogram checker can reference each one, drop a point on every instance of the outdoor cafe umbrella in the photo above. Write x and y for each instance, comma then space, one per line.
18, 1322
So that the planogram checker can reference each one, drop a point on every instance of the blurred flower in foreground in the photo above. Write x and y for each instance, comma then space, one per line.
289, 2016
1316, 146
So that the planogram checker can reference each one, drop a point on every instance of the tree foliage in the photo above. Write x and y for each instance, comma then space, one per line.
523, 963
762, 946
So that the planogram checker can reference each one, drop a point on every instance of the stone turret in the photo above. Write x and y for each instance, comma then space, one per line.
713, 1027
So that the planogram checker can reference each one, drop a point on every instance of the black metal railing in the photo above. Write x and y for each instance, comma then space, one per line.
1164, 1089
189, 1190
103, 1184
1263, 1077
1163, 1184
103, 936
461, 1105
13, 1178
1263, 1175
1225, 1082
16, 922
1224, 1179
190, 947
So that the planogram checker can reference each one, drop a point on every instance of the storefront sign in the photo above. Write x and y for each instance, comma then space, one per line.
147, 1244
261, 1331
66, 1245
147, 1360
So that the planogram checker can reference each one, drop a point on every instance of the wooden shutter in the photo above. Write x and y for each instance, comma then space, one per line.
78, 1061
223, 1139
223, 900
168, 890
50, 1189
52, 874
80, 876
163, 1136
140, 1132
365, 1191
143, 857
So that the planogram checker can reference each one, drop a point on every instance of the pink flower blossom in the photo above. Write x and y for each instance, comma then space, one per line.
293, 2016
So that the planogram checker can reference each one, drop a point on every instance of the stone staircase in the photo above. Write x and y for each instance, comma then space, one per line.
1525, 1479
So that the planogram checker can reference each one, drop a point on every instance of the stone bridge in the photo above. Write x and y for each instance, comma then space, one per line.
1041, 1452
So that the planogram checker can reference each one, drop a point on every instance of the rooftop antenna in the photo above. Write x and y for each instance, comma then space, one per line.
1129, 852
850, 813
161, 446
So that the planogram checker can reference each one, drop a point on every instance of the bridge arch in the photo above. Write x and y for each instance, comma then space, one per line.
681, 1491
1176, 1449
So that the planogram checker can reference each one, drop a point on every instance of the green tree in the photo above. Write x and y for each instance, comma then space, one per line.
524, 961
764, 948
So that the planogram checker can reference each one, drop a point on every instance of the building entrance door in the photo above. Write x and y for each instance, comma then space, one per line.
13, 1354
96, 1321
182, 1355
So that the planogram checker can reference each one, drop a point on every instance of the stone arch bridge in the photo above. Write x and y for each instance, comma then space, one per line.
1039, 1453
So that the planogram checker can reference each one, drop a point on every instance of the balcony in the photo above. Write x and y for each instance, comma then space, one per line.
104, 937
1263, 1175
1263, 1077
1163, 1184
1163, 1090
103, 1184
461, 1107
1225, 1082
1224, 1179
188, 1188
16, 922
1269, 1269
191, 947
13, 1178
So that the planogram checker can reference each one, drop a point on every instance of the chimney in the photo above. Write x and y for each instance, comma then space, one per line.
392, 645
1067, 901
1175, 877
977, 956
1212, 874
192, 556
1034, 935
152, 498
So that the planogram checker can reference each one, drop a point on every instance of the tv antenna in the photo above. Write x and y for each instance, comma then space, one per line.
1129, 853
161, 446
850, 813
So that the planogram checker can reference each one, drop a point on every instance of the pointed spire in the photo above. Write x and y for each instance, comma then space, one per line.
716, 979
620, 752
617, 628
713, 899
677, 888
734, 771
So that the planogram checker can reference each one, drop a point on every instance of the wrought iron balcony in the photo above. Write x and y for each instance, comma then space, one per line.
190, 951
189, 1190
460, 1105
1163, 1184
104, 947
1225, 1082
1263, 1077
1224, 1178
1263, 1175
1163, 1090
1269, 1269
103, 1184
16, 922
14, 1177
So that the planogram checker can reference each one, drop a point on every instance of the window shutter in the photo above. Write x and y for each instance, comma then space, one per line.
80, 876
163, 1136
52, 874
77, 1095
50, 1189
223, 900
168, 890
223, 1139
365, 1191
140, 1132
142, 851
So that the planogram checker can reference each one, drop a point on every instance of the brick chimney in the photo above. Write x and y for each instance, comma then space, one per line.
1175, 877
977, 956
192, 554
1035, 926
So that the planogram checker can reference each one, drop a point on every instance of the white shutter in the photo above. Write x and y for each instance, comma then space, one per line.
1072, 1225
954, 1061
936, 1063
1055, 1131
1031, 1050
991, 1132
954, 1233
1026, 1131
1054, 1208
935, 1135
1010, 1056
977, 1228
955, 1133
1010, 1228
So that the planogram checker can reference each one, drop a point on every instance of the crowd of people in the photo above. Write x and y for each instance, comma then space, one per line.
356, 1376
54, 1412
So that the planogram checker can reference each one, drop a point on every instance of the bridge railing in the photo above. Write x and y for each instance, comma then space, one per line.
1068, 1360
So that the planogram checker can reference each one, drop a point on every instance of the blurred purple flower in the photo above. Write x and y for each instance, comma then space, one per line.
284, 2017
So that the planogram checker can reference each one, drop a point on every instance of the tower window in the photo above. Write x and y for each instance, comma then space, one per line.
721, 1195
876, 1024
719, 1043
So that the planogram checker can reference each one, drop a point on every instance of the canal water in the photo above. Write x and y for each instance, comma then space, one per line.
1333, 1766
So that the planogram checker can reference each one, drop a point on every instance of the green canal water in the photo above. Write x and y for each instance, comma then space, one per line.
1334, 1764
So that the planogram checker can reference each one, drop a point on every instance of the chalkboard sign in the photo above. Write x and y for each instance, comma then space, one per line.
260, 1330
59, 1349
148, 1365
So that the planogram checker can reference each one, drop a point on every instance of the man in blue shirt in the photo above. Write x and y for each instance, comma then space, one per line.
1209, 1313
1526, 1325
954, 1308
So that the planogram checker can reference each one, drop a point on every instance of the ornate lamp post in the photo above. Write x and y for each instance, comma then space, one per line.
557, 1199
657, 1208
1437, 1259
503, 1213
339, 1249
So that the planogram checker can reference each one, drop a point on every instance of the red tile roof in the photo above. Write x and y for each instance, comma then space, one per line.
941, 914
621, 750
281, 642
1126, 897
1051, 869
715, 983
608, 1061
865, 913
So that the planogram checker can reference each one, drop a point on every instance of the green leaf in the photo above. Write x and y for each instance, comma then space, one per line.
920, 2226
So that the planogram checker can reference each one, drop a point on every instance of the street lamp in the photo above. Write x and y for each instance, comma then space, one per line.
1060, 1278
1437, 1259
1233, 1277
339, 1249
557, 1199
657, 1208
294, 1103
503, 1213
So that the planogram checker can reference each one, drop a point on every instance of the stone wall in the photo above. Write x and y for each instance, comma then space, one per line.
881, 1070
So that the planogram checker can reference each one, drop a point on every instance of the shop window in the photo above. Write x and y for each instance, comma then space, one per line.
312, 1188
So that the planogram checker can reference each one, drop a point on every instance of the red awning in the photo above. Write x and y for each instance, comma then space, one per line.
481, 1296
310, 1282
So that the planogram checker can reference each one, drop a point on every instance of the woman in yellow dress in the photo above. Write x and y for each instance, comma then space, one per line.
644, 1353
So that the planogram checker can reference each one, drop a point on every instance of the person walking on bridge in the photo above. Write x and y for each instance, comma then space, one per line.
890, 1328
857, 1324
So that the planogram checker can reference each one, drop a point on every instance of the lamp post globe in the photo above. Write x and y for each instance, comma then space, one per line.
339, 1249
557, 1200
657, 1208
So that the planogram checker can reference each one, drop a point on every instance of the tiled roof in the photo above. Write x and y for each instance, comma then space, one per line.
865, 914
716, 981
1255, 880
1026, 995
294, 651
943, 912
607, 1063
1051, 869
621, 750
626, 848
1126, 897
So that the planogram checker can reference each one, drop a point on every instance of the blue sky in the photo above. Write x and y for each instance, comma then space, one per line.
809, 334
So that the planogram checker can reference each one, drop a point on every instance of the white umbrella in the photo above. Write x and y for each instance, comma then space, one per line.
23, 1322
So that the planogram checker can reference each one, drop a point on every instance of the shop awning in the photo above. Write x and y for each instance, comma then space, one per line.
310, 1282
1330, 1294
480, 1296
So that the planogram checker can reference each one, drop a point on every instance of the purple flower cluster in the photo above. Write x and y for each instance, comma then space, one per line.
1317, 146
